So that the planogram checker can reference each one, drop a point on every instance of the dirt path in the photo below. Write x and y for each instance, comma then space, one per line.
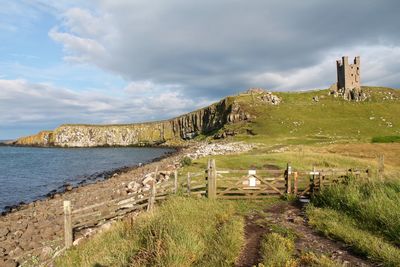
292, 216
254, 232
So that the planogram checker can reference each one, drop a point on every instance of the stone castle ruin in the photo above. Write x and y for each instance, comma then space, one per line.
348, 83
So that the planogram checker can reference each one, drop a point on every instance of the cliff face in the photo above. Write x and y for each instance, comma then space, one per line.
178, 129
43, 138
174, 131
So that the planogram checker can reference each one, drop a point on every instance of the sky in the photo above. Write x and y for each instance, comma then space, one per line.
125, 61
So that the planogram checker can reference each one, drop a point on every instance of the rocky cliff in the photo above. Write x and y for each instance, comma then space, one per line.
203, 121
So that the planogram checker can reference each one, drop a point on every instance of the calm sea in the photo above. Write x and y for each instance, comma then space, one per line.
28, 173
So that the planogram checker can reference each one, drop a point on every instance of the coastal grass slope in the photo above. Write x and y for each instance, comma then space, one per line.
316, 116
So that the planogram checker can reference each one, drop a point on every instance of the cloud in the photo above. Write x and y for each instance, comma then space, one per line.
27, 104
216, 48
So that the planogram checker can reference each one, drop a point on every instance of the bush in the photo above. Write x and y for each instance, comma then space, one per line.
386, 139
186, 161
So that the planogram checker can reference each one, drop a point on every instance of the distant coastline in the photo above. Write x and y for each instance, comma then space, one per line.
6, 142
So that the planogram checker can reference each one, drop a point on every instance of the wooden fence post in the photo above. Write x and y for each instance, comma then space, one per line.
295, 183
68, 234
368, 171
312, 181
188, 183
152, 197
212, 180
381, 166
321, 181
175, 181
287, 178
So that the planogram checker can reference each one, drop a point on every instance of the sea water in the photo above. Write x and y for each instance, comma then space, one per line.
29, 173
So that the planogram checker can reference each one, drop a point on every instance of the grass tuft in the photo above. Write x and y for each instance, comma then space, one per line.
374, 204
386, 139
182, 232
338, 225
277, 251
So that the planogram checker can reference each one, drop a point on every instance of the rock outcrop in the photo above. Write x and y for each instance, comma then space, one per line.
203, 121
43, 138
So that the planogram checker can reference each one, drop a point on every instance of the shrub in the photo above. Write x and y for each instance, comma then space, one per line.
386, 139
186, 161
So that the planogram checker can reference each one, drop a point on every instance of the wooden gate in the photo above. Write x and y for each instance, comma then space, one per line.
265, 183
245, 184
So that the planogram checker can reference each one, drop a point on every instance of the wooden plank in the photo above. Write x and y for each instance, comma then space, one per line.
95, 221
133, 199
108, 215
273, 187
273, 171
198, 187
175, 181
248, 197
223, 172
249, 192
188, 183
161, 197
115, 200
321, 182
68, 234
212, 179
151, 201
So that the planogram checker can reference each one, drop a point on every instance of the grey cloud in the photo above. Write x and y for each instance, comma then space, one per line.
213, 48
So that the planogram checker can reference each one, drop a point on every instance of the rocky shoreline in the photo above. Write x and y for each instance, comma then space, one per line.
34, 232
89, 179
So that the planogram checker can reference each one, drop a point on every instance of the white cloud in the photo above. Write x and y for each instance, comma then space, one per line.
78, 49
378, 67
23, 103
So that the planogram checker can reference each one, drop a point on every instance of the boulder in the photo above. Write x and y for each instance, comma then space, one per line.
148, 180
133, 186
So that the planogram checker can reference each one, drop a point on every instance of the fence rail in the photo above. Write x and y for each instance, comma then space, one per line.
91, 215
216, 184
265, 183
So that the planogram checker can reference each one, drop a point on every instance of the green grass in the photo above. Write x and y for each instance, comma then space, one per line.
386, 139
340, 226
277, 251
373, 204
363, 214
182, 232
300, 120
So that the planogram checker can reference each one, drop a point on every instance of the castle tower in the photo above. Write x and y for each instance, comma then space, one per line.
348, 79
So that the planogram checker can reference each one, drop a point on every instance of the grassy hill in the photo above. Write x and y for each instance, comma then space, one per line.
300, 119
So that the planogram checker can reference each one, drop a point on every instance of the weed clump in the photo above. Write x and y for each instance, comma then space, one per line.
186, 161
386, 139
